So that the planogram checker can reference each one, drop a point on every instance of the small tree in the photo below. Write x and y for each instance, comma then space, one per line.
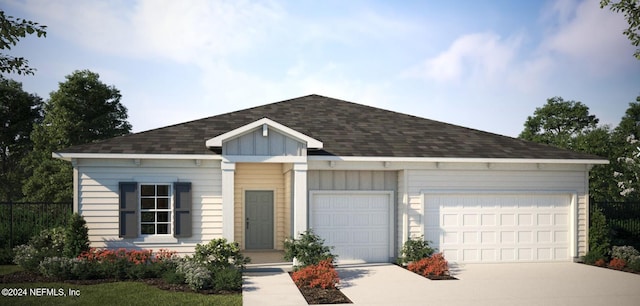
76, 236
599, 237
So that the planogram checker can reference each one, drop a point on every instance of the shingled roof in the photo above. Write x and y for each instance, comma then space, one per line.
345, 128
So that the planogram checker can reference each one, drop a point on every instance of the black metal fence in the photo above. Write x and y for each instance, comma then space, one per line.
624, 220
20, 221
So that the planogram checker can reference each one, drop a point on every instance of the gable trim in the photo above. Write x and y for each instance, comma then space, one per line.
264, 123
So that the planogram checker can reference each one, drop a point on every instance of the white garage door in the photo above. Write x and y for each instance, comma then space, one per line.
357, 225
499, 228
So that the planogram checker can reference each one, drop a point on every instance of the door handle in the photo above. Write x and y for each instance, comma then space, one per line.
247, 226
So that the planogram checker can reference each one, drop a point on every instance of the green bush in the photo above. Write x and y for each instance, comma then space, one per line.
309, 249
227, 280
593, 256
76, 236
599, 234
634, 264
173, 277
626, 253
6, 256
27, 257
58, 267
414, 250
196, 274
220, 254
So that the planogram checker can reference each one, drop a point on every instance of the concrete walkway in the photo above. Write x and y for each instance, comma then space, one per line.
477, 284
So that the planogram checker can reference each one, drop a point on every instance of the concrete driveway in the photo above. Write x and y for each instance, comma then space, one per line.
477, 284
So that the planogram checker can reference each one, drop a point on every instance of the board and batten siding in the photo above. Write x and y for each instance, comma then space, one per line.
254, 143
566, 180
260, 176
98, 198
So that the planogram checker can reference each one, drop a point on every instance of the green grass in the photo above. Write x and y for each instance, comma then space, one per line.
118, 293
8, 269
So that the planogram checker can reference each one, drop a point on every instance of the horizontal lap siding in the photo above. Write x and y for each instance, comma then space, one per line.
494, 180
98, 199
256, 176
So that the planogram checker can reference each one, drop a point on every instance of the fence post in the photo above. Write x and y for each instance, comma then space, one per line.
11, 224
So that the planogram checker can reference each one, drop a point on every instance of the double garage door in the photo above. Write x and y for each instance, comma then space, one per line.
358, 225
499, 227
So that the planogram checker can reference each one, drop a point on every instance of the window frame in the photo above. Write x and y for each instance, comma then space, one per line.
170, 209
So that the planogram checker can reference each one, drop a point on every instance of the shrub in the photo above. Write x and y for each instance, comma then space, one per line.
435, 265
229, 279
6, 256
127, 264
309, 249
220, 254
323, 275
599, 234
173, 277
415, 249
48, 243
27, 257
617, 264
58, 267
76, 236
593, 256
627, 253
634, 264
600, 263
196, 274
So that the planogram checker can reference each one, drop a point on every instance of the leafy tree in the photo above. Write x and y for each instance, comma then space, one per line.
631, 11
19, 111
627, 142
558, 123
82, 110
12, 30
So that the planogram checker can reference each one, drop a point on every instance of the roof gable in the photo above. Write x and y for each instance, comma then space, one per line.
343, 128
265, 123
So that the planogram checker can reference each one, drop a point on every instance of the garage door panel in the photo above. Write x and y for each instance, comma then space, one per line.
494, 228
359, 224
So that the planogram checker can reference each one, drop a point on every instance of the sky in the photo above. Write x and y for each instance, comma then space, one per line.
485, 65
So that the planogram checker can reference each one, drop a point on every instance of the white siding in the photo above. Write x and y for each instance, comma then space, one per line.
419, 181
98, 198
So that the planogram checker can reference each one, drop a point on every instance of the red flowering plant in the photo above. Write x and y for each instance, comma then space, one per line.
617, 264
126, 264
323, 275
435, 265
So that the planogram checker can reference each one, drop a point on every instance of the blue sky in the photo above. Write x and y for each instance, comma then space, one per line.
481, 64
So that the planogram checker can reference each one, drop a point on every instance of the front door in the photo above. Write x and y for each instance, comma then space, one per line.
259, 220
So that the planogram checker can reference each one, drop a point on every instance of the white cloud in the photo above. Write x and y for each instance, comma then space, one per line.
478, 57
590, 38
183, 31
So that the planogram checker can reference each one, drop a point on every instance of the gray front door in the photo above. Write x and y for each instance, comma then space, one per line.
259, 220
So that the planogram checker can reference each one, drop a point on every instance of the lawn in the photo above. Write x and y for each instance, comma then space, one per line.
117, 293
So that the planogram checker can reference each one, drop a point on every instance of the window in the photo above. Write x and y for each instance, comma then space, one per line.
155, 209
150, 210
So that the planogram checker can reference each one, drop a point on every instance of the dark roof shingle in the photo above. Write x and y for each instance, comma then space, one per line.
345, 128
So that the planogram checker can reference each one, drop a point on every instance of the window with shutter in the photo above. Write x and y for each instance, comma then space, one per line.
154, 209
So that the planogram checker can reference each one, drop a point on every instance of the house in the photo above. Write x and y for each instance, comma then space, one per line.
365, 179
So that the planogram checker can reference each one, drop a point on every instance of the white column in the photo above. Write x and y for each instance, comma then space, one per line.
228, 218
299, 198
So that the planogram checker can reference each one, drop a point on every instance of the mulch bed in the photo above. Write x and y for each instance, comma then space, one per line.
324, 296
443, 277
30, 277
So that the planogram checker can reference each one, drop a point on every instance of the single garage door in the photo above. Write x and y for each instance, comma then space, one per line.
499, 227
357, 225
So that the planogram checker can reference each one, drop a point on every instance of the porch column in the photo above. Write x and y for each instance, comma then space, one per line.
299, 198
228, 218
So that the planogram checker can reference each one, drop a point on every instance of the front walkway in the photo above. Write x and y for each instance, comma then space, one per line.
477, 284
